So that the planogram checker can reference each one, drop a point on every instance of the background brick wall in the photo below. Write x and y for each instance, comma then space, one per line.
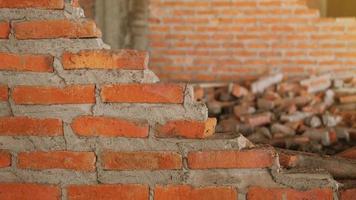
210, 40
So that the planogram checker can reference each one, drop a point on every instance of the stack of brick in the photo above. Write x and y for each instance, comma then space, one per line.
314, 114
81, 122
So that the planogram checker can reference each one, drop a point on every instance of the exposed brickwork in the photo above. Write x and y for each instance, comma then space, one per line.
76, 94
123, 59
78, 161
141, 160
103, 192
25, 126
47, 29
3, 93
184, 192
258, 158
47, 4
209, 40
30, 63
143, 93
5, 159
80, 122
109, 127
4, 29
348, 194
12, 191
256, 193
187, 129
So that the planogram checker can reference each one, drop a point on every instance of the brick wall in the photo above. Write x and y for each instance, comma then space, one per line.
78, 121
208, 40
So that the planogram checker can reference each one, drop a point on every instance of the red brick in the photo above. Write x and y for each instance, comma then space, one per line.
25, 126
287, 160
258, 119
258, 193
109, 127
5, 159
142, 160
43, 95
348, 194
30, 63
187, 129
48, 29
349, 153
185, 192
78, 161
239, 91
4, 30
3, 93
106, 59
143, 93
47, 4
106, 192
23, 191
348, 99
255, 158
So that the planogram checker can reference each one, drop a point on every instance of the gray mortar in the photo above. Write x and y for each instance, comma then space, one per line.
51, 46
304, 180
40, 14
241, 178
151, 178
55, 176
4, 109
18, 144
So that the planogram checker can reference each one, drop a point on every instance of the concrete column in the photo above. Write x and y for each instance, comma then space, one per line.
112, 18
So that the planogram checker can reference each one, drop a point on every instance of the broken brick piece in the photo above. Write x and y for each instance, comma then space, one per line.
258, 119
239, 91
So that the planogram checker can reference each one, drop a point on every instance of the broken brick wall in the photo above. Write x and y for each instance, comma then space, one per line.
78, 121
208, 40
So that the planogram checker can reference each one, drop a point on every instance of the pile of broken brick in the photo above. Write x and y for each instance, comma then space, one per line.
317, 114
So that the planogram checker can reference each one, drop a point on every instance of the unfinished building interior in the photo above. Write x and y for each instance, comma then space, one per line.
177, 100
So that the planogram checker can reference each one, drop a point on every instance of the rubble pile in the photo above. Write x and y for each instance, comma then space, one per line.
317, 114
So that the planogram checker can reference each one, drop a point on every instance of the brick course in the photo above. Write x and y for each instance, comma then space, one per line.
209, 40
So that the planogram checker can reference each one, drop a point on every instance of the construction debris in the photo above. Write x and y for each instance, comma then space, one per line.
316, 114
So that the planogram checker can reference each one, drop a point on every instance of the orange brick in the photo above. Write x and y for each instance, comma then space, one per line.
24, 191
106, 59
349, 153
287, 160
255, 158
78, 161
109, 127
142, 160
25, 126
31, 63
258, 193
143, 93
47, 4
48, 29
105, 192
185, 192
4, 30
42, 95
348, 99
5, 159
3, 93
187, 129
348, 194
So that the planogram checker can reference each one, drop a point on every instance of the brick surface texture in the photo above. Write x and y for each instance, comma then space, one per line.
210, 40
